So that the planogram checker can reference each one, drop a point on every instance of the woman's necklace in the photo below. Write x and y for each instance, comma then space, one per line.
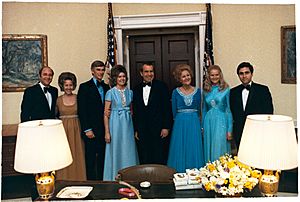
186, 89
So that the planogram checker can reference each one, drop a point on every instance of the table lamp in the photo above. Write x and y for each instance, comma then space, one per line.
41, 148
269, 143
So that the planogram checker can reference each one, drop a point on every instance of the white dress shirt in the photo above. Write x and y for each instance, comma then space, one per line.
48, 95
245, 94
146, 93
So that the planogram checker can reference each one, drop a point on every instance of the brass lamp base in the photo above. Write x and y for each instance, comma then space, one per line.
268, 183
45, 184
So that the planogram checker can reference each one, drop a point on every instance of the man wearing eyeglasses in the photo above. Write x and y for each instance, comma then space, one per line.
248, 98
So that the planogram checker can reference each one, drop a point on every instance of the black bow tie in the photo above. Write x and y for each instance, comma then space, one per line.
46, 89
147, 84
247, 87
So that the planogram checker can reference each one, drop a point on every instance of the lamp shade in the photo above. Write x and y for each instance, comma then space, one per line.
41, 146
269, 142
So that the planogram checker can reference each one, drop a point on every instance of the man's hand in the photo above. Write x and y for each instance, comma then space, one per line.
136, 136
164, 133
90, 134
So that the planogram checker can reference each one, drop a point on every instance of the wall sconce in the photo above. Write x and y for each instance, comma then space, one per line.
41, 148
269, 142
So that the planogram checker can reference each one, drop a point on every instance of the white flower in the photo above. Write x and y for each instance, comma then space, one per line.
226, 176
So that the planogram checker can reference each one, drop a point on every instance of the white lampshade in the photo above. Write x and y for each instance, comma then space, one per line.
42, 146
269, 142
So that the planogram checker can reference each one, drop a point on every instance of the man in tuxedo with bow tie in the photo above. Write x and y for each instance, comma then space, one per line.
91, 98
248, 98
151, 117
39, 100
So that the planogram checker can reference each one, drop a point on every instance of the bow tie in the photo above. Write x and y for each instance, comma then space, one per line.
46, 89
147, 84
247, 87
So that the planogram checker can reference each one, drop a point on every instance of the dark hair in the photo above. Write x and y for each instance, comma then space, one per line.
179, 69
40, 71
148, 63
66, 76
114, 73
244, 64
97, 63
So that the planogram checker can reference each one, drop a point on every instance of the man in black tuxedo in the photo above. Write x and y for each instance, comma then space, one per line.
39, 100
151, 117
91, 97
248, 98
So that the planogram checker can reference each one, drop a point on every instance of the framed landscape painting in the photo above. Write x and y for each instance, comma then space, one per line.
288, 54
22, 57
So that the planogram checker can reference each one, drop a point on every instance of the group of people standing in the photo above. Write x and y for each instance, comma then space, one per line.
110, 127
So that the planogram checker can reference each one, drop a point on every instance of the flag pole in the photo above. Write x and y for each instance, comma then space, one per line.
208, 47
111, 58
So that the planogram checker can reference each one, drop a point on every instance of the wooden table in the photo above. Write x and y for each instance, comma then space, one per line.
109, 190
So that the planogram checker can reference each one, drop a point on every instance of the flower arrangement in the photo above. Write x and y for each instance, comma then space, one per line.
228, 176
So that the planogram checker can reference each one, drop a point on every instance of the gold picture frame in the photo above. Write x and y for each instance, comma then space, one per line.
22, 57
288, 54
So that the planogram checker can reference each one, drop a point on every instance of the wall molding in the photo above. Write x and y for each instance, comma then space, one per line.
165, 20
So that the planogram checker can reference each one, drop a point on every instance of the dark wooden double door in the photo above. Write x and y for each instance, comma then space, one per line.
165, 51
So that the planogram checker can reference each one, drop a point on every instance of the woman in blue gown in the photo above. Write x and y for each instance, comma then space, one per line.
186, 147
216, 115
120, 151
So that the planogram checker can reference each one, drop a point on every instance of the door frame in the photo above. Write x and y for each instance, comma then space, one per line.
161, 21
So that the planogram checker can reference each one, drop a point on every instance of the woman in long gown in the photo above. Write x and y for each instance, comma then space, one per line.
216, 115
186, 147
66, 107
120, 151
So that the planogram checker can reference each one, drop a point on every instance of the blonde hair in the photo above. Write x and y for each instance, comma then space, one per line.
207, 82
179, 69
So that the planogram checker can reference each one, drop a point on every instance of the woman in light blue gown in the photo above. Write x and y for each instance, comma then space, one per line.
186, 148
216, 115
120, 151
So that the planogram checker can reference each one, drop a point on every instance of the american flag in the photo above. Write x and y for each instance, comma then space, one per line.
208, 49
111, 59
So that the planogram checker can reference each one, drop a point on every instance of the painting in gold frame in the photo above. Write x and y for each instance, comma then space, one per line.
22, 57
288, 54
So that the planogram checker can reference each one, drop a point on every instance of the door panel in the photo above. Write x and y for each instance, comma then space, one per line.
144, 49
165, 51
176, 49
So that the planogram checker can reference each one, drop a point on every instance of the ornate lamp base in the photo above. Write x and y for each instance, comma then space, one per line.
268, 183
45, 184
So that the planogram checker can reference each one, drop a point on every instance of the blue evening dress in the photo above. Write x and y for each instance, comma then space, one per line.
186, 146
217, 121
121, 151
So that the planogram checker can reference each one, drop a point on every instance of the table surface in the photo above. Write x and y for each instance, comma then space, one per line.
109, 190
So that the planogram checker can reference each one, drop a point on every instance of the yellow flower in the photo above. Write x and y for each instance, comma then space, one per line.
229, 173
255, 173
248, 185
208, 186
231, 185
211, 167
230, 164
222, 159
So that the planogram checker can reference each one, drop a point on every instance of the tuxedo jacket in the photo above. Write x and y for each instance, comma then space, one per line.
35, 106
91, 107
157, 114
259, 102
150, 120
